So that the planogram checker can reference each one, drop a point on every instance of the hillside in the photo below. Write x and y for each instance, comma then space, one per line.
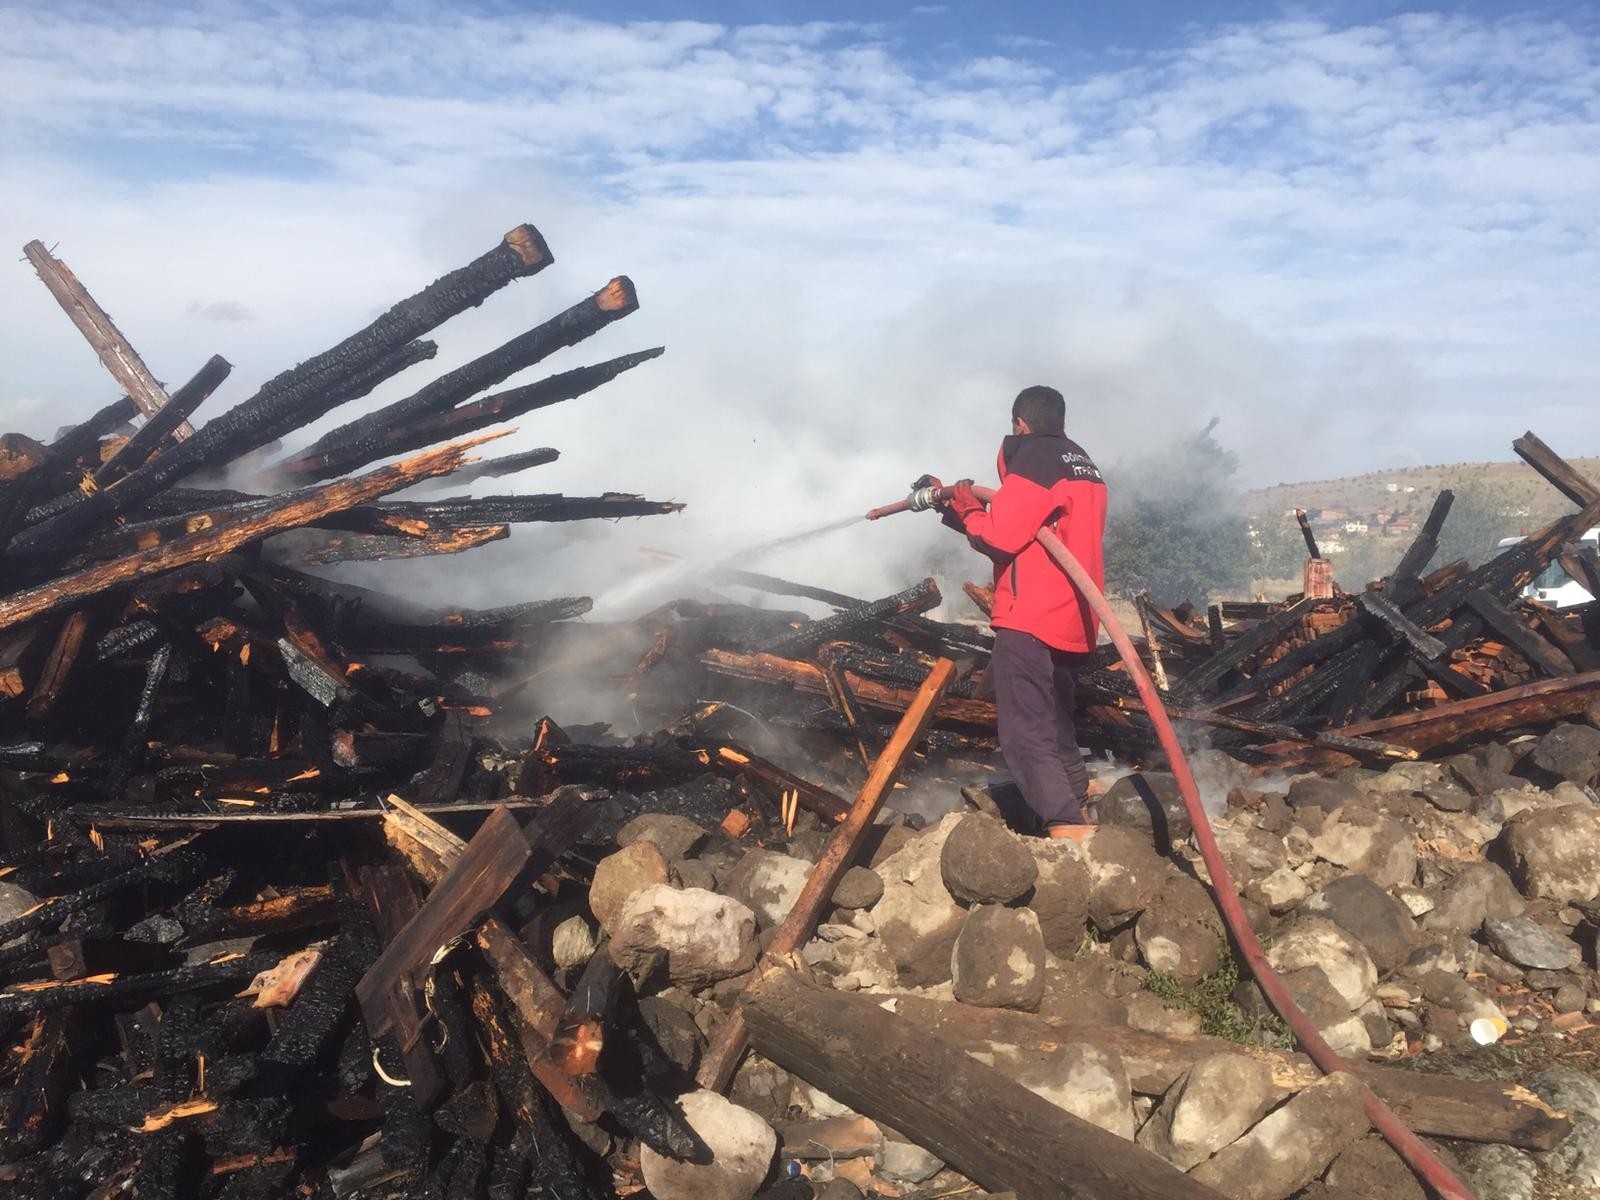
1520, 492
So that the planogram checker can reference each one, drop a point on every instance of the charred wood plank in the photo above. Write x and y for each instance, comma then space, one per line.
1387, 613
113, 350
495, 468
295, 510
305, 550
58, 666
1243, 648
989, 1127
132, 748
1305, 532
1557, 472
134, 452
611, 303
1405, 582
916, 599
1506, 625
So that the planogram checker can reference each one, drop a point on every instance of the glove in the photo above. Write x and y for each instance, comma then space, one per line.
965, 502
922, 481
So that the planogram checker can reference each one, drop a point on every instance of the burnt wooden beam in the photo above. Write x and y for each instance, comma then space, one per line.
584, 319
916, 599
495, 468
114, 351
427, 429
1507, 626
146, 440
307, 550
1387, 613
1557, 471
1305, 532
1405, 582
303, 393
294, 511
1249, 644
58, 665
989, 1127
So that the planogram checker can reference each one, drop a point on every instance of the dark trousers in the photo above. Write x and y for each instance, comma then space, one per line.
1033, 690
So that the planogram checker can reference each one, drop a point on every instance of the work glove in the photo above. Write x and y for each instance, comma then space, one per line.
965, 502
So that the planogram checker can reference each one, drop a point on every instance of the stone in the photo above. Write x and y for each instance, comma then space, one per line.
692, 873
1060, 897
763, 1087
859, 887
768, 884
1570, 752
839, 1189
741, 1144
676, 837
1449, 797
1279, 892
1147, 800
573, 943
1527, 943
1357, 904
1416, 900
1476, 893
983, 862
1450, 991
998, 959
1346, 1031
902, 1162
1124, 875
917, 918
617, 877
1210, 1106
1555, 853
1577, 1159
1090, 1082
1366, 842
699, 936
1569, 998
1404, 777
1313, 791
1292, 1146
1501, 1172
1370, 1167
1310, 941
1180, 933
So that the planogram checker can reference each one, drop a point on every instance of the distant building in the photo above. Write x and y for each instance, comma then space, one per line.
1355, 526
1392, 487
1332, 514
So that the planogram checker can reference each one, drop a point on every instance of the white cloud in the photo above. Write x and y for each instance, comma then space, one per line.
1333, 237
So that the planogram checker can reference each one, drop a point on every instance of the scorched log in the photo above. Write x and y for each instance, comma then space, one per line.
133, 453
304, 393
296, 510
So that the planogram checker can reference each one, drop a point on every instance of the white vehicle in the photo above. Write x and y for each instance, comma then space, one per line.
1554, 586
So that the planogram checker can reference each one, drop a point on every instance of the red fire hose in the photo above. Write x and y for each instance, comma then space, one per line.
1411, 1148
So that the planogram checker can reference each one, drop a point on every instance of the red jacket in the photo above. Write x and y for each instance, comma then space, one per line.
1045, 479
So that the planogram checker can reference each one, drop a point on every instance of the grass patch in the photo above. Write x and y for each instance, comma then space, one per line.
1211, 999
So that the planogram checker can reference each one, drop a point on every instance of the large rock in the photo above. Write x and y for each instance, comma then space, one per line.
1476, 893
1577, 1159
860, 887
1460, 997
1570, 752
768, 884
1087, 1081
1278, 892
905, 1163
1529, 944
1124, 875
1555, 853
998, 959
741, 1143
1210, 1106
1378, 921
1180, 932
676, 837
1060, 896
1318, 942
1147, 800
917, 918
617, 877
698, 936
1324, 1007
1313, 791
1372, 1168
1292, 1146
573, 943
1500, 1172
1368, 843
983, 862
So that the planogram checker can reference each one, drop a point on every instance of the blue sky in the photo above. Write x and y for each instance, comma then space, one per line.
1363, 235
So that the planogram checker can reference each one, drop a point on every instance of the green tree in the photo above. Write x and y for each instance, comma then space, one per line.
1175, 527
1478, 519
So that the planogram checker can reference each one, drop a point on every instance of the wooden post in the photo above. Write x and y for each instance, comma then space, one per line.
116, 354
1157, 667
989, 1127
716, 1069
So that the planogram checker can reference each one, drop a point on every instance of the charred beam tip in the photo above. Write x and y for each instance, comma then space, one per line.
617, 296
528, 244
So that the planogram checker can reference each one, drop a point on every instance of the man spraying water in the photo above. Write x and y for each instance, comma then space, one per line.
1044, 627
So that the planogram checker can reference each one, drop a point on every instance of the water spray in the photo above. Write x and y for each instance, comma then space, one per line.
1422, 1160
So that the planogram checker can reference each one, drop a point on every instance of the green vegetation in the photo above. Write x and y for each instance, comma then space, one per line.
1211, 999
